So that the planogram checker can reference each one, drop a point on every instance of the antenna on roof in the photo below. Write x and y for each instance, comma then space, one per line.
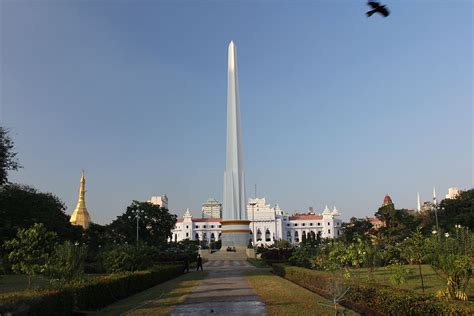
255, 191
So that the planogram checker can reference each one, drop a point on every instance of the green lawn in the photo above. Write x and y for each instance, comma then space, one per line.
432, 281
283, 297
15, 283
158, 300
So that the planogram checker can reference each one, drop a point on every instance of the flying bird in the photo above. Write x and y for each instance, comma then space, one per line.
377, 8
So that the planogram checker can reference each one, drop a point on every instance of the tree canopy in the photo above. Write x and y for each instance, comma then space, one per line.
154, 224
22, 206
8, 160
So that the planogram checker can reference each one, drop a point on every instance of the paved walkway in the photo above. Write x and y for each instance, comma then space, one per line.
224, 291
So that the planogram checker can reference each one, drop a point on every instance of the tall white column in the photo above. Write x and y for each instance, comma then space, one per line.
235, 226
234, 206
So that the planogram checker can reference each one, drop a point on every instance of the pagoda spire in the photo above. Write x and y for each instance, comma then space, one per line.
81, 216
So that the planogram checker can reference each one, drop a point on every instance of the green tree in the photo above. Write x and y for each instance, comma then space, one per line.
29, 251
22, 206
357, 226
415, 251
457, 211
154, 224
398, 223
8, 160
66, 262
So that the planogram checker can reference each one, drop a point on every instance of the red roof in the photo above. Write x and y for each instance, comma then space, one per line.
374, 219
387, 198
300, 217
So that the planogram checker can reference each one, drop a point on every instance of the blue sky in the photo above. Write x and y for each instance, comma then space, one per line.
336, 108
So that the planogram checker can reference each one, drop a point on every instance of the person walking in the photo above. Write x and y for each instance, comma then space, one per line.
199, 263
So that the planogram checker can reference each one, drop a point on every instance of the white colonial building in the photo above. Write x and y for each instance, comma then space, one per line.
268, 224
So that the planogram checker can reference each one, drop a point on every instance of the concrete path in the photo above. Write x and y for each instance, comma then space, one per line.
224, 291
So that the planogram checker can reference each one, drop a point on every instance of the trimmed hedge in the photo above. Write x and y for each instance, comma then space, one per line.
90, 295
370, 299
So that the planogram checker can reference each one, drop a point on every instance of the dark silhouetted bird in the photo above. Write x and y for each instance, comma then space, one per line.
377, 8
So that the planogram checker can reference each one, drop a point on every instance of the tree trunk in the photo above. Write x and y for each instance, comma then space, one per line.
29, 281
421, 277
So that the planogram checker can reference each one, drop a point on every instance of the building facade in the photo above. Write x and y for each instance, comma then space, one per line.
453, 193
211, 209
161, 200
267, 224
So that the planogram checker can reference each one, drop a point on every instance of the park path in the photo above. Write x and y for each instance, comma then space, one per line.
224, 291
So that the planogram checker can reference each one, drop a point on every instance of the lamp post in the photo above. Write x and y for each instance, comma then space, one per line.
137, 216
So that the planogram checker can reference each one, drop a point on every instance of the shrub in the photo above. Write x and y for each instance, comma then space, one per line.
88, 294
272, 255
66, 262
301, 257
373, 299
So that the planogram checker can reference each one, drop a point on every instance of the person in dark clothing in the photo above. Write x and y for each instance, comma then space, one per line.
186, 264
199, 263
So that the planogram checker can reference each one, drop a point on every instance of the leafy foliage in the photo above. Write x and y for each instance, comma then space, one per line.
30, 250
66, 262
301, 257
22, 206
8, 160
355, 226
154, 224
91, 294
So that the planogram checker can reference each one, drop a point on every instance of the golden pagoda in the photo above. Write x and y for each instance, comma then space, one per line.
80, 216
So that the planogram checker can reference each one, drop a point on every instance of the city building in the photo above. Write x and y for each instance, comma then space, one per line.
267, 225
453, 193
211, 209
80, 216
161, 200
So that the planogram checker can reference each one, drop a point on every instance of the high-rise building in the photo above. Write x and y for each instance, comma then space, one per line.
161, 200
80, 216
453, 193
211, 209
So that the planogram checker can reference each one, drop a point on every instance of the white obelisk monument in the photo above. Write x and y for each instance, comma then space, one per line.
235, 226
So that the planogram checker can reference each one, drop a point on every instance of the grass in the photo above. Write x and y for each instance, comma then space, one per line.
283, 297
258, 263
10, 283
432, 281
158, 300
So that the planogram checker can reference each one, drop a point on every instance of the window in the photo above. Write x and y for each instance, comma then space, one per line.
310, 224
187, 234
187, 226
303, 224
296, 224
288, 224
319, 224
329, 231
196, 236
197, 226
267, 235
329, 223
259, 235
204, 226
212, 226
219, 226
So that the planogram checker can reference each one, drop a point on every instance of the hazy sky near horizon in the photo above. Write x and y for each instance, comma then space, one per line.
336, 108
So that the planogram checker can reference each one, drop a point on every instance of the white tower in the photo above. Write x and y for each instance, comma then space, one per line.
235, 227
418, 207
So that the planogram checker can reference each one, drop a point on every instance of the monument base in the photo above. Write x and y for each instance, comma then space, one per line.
235, 233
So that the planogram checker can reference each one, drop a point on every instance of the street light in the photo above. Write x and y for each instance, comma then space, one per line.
253, 224
138, 213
